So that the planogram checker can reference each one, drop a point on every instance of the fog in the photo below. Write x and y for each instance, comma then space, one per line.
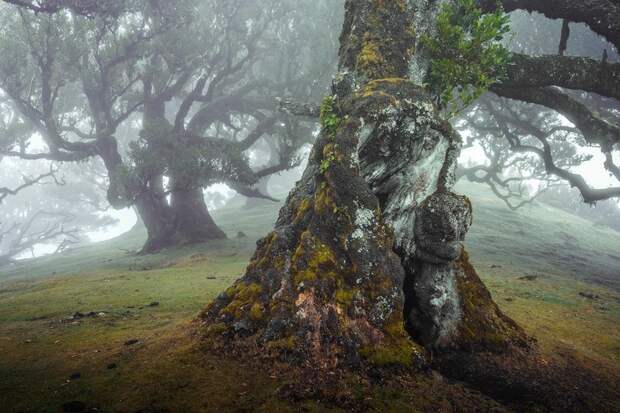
93, 201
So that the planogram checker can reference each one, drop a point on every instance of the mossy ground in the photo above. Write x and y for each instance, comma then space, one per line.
165, 372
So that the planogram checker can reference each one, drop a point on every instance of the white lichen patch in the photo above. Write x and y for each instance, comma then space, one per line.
355, 160
417, 181
376, 173
285, 283
384, 306
438, 298
364, 134
364, 221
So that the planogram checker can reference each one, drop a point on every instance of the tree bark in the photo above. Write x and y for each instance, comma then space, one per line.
158, 219
186, 219
193, 223
578, 73
595, 129
370, 237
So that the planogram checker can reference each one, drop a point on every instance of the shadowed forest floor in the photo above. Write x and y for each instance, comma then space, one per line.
100, 329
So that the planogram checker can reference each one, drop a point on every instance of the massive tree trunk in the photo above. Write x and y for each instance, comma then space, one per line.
369, 240
186, 219
158, 219
193, 223
149, 199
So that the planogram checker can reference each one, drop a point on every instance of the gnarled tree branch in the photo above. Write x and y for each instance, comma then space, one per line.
545, 154
594, 129
579, 73
602, 16
28, 182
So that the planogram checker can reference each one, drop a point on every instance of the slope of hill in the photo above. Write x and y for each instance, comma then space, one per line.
540, 239
535, 239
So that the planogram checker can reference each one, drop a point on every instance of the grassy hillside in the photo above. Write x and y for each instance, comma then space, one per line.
554, 273
539, 239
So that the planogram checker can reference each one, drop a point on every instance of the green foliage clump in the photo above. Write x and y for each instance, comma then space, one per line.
326, 162
466, 53
330, 122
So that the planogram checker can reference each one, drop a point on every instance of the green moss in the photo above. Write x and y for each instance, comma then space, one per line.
381, 92
390, 353
483, 324
330, 121
384, 50
345, 297
257, 312
395, 349
302, 209
288, 343
313, 260
217, 329
242, 295
267, 256
330, 155
323, 200
369, 56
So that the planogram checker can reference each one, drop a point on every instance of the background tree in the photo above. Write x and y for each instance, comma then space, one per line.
203, 109
232, 102
528, 146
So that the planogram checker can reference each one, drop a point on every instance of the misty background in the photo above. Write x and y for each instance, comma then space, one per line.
70, 208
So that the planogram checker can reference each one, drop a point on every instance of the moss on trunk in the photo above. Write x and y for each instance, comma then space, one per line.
370, 238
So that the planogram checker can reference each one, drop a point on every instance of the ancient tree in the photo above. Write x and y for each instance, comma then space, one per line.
365, 264
201, 108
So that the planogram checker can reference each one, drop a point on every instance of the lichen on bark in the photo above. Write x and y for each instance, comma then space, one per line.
369, 241
319, 282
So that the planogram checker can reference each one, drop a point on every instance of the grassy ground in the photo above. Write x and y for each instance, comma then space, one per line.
554, 273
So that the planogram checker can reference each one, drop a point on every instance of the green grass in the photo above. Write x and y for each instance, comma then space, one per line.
539, 239
40, 346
